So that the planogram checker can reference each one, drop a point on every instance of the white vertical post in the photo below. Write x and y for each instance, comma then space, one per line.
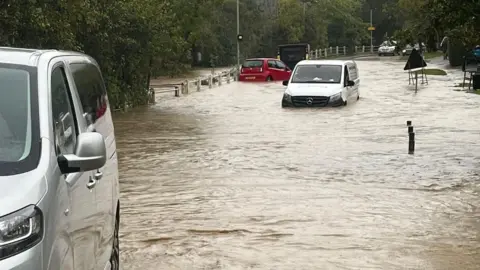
371, 32
238, 33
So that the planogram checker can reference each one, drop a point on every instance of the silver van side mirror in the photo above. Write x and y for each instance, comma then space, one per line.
90, 154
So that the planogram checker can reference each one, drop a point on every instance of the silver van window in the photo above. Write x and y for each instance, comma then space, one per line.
15, 118
91, 90
64, 122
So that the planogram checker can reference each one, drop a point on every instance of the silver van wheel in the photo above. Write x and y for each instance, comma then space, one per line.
115, 256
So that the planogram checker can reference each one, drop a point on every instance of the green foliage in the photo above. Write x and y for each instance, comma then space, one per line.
135, 40
456, 52
431, 19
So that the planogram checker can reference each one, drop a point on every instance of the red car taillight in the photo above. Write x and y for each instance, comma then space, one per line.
242, 71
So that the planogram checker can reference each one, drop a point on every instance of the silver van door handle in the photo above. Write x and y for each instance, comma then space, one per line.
98, 175
91, 183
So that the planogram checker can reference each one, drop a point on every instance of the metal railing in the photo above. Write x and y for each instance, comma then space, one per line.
339, 51
187, 86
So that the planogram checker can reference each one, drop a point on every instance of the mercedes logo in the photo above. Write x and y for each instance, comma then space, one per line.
309, 101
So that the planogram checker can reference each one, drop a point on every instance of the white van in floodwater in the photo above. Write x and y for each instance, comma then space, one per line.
321, 83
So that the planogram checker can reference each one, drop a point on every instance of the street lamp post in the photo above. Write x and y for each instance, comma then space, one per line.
371, 32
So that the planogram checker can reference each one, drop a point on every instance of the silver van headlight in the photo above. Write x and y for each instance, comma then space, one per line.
20, 231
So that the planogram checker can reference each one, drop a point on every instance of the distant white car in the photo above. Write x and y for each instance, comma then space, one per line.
387, 48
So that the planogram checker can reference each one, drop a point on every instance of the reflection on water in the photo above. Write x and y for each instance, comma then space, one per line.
226, 179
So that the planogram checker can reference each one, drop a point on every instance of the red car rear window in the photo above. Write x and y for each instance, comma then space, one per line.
253, 63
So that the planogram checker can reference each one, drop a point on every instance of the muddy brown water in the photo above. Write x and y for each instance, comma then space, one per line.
227, 179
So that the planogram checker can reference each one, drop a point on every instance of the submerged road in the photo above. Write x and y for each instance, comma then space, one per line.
227, 179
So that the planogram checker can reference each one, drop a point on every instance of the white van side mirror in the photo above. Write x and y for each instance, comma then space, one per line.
351, 83
90, 154
285, 83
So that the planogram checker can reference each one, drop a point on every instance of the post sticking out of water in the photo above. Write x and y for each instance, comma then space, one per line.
409, 123
177, 91
411, 140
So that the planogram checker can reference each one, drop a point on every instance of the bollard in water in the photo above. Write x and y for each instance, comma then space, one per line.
177, 91
409, 123
411, 143
410, 129
199, 83
152, 96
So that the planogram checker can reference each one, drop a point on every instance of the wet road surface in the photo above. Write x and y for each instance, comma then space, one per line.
227, 179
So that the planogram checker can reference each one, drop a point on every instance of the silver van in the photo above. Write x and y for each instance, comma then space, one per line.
59, 191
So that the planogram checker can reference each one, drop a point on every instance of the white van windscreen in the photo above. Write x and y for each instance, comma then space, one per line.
317, 74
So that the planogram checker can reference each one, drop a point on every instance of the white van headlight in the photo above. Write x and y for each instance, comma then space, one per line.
20, 231
336, 97
287, 97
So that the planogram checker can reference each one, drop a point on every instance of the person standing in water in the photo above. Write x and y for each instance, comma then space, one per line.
444, 47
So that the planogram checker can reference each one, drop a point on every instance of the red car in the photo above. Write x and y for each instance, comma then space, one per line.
264, 69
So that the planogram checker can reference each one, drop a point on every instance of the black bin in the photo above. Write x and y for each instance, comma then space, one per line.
476, 81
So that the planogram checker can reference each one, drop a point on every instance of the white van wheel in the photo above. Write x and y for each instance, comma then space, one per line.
358, 97
345, 103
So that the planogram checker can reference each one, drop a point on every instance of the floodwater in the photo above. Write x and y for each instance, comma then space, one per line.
227, 179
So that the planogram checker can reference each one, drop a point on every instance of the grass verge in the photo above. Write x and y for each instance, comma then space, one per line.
430, 55
426, 56
432, 72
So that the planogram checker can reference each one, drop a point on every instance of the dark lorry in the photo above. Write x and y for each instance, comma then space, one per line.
291, 54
